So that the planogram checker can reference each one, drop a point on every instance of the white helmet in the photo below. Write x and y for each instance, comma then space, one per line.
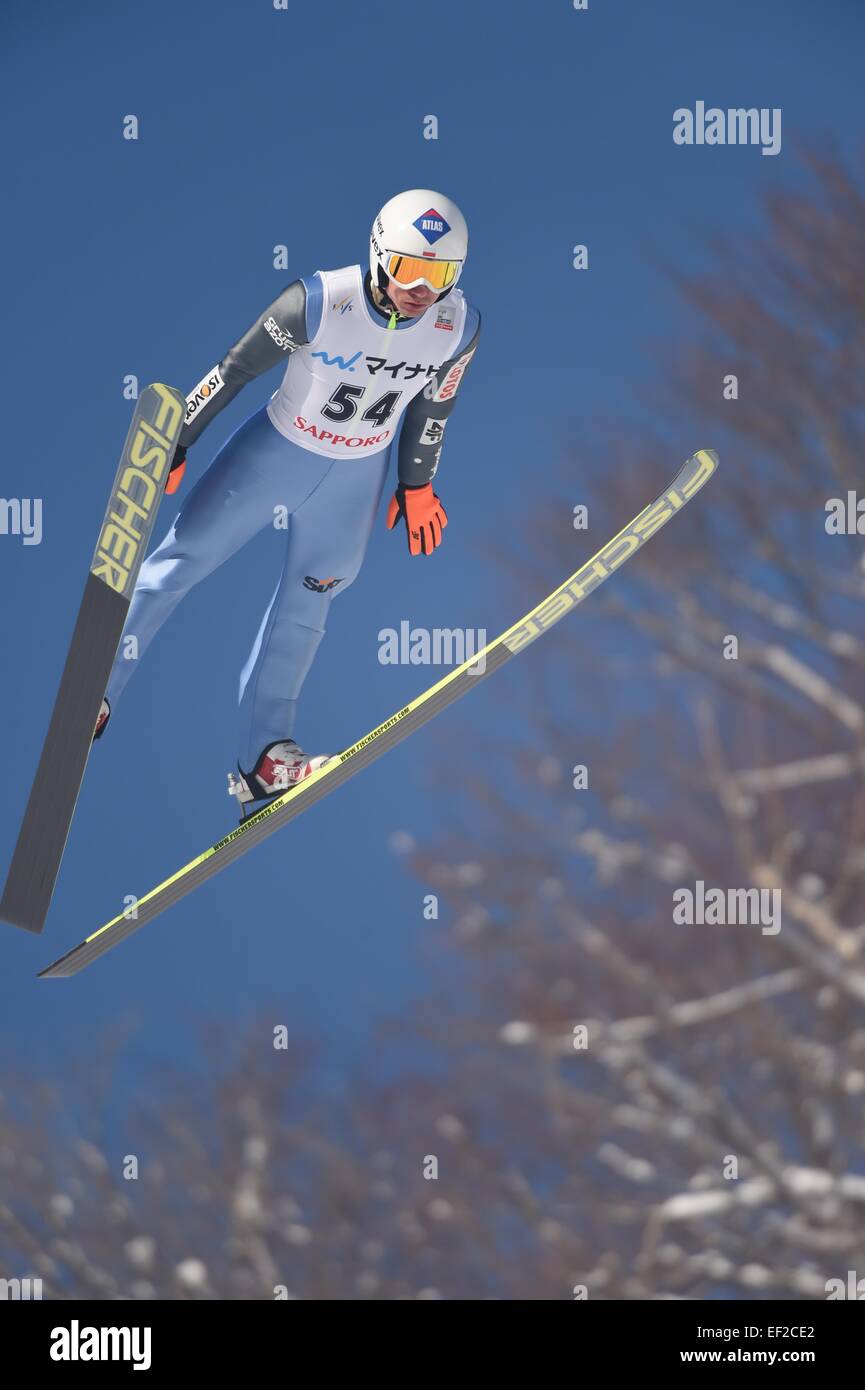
419, 237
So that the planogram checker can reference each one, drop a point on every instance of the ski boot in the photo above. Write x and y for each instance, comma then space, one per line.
279, 768
104, 716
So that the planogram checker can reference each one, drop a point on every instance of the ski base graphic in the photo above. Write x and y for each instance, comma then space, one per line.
123, 538
688, 481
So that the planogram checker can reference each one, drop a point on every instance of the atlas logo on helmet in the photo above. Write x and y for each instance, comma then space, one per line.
432, 225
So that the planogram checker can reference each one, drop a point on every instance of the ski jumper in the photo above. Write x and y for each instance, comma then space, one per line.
314, 461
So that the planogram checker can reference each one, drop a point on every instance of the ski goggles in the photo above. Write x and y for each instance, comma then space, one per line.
409, 271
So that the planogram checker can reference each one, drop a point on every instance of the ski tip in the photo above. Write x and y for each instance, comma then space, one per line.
708, 458
160, 386
695, 471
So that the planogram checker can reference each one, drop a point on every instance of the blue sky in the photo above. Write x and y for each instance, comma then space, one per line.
260, 127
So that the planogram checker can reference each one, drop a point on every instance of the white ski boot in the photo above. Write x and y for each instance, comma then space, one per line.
279, 768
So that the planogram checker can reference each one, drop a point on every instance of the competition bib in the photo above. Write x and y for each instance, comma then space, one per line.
344, 393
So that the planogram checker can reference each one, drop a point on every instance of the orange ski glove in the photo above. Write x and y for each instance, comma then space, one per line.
176, 472
425, 517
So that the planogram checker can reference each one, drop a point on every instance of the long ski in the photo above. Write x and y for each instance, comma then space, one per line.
688, 481
123, 537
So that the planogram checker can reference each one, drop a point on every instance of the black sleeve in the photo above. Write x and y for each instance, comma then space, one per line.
426, 416
276, 332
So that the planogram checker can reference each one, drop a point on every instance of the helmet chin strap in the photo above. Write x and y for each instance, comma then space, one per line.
382, 282
379, 296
